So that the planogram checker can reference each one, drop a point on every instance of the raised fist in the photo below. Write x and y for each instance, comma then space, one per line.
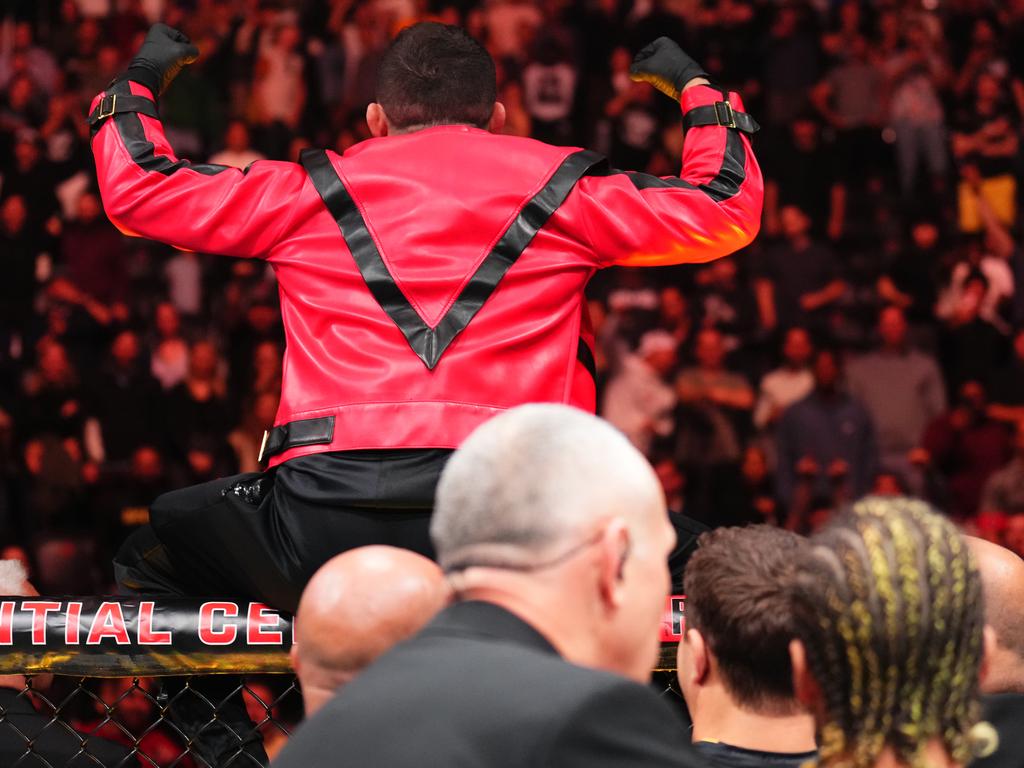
664, 65
162, 55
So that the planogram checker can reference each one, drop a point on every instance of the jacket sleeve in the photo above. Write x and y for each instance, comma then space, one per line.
711, 210
148, 192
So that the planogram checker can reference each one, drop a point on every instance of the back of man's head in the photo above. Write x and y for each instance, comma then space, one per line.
555, 511
889, 615
436, 74
355, 608
1002, 576
736, 587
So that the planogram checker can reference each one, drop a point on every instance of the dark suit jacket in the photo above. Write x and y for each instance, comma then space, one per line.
479, 688
53, 743
1006, 713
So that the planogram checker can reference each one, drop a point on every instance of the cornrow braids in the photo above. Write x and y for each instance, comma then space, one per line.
887, 602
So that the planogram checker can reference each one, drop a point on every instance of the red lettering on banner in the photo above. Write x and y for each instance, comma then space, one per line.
39, 610
147, 635
259, 620
72, 627
210, 636
6, 622
108, 622
673, 621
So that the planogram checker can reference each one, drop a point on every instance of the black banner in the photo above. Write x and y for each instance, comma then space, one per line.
113, 637
105, 637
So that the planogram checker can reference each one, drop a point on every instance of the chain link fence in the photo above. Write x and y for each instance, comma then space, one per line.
213, 692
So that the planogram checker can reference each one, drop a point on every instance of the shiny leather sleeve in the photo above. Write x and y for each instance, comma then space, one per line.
148, 192
711, 210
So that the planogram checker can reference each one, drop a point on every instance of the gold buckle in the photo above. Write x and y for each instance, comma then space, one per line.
730, 117
263, 445
104, 114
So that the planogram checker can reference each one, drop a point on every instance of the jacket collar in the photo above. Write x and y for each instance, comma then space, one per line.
476, 618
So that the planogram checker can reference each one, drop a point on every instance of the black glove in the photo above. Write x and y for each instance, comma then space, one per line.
162, 55
664, 65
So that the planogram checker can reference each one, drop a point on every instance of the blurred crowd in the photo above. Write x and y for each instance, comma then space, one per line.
871, 339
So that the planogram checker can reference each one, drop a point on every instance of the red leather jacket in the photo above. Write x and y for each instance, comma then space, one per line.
430, 280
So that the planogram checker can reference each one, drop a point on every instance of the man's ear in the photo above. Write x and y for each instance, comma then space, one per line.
376, 120
497, 122
805, 687
692, 658
614, 552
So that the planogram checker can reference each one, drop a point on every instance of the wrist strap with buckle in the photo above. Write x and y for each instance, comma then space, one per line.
720, 113
113, 104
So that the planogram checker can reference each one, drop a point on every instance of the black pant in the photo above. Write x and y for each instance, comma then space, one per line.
261, 536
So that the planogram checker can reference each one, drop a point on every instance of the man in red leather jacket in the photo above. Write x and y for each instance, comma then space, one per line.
430, 278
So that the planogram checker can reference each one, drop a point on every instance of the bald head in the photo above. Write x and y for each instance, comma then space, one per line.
355, 608
1002, 577
530, 481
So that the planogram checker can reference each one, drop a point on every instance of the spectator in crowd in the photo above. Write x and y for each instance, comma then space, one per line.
1007, 385
169, 352
21, 248
985, 143
734, 666
902, 389
557, 559
1004, 490
714, 400
124, 400
967, 447
789, 383
354, 609
794, 178
639, 400
799, 280
888, 613
1002, 577
909, 281
93, 253
237, 152
826, 442
26, 735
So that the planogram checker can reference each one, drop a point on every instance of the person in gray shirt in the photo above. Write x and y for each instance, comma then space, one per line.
902, 389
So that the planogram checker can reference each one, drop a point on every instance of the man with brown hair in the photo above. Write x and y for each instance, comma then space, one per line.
733, 660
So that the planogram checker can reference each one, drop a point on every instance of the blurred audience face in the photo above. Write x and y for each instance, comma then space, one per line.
237, 137
710, 350
795, 223
674, 306
125, 349
754, 466
797, 348
54, 366
203, 361
733, 661
147, 464
89, 208
167, 321
892, 328
354, 609
925, 235
826, 370
14, 213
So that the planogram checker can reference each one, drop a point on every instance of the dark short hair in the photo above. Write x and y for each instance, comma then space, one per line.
436, 74
737, 586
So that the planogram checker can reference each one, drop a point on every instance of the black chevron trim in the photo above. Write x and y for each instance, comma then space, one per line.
430, 343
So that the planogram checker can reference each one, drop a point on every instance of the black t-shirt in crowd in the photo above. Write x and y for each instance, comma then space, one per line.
726, 756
